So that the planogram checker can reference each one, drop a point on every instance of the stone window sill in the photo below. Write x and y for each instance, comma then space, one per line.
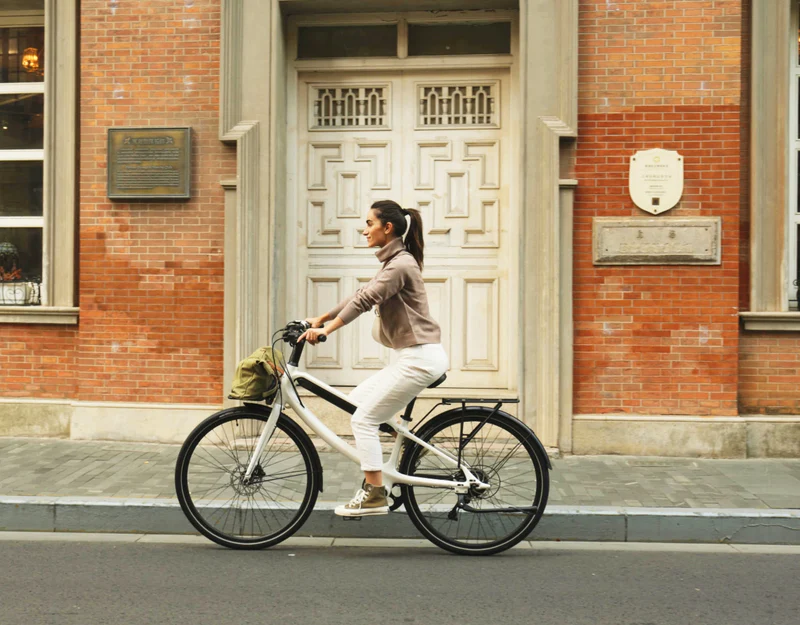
39, 314
771, 321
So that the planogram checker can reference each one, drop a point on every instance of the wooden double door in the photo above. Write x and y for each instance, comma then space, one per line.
435, 141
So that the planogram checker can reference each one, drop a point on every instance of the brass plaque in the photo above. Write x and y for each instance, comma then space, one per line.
149, 163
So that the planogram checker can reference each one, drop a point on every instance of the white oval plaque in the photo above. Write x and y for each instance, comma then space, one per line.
656, 179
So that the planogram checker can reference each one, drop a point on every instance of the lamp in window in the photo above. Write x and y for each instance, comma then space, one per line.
30, 61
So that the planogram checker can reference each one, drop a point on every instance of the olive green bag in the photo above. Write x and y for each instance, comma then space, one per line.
255, 378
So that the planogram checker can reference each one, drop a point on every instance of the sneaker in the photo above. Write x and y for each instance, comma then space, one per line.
369, 500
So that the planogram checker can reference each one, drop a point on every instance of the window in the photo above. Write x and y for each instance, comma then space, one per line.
349, 107
405, 37
22, 69
458, 105
327, 42
468, 38
38, 112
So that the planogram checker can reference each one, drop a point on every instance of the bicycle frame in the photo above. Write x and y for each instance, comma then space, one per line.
391, 476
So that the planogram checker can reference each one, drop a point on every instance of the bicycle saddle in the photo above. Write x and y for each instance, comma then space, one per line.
436, 383
406, 416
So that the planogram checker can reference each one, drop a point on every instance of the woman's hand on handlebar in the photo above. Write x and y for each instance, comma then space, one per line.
316, 322
314, 335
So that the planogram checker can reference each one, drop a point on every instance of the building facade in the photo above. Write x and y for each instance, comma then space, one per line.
622, 325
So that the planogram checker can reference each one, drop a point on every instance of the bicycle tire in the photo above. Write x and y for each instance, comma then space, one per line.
523, 483
217, 502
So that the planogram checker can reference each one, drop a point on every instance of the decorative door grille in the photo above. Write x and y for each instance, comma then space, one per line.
349, 107
458, 105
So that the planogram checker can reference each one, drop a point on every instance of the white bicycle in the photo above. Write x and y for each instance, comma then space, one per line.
473, 479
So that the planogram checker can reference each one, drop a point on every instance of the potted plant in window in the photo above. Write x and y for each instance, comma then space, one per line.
14, 290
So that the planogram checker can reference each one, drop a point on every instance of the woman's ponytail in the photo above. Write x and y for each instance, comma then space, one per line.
391, 212
413, 239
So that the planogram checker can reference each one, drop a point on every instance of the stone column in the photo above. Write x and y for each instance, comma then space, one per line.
548, 67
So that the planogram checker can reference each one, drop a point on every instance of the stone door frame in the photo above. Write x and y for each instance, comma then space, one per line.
253, 82
403, 69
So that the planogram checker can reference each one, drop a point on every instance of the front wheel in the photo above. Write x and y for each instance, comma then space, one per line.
247, 514
499, 450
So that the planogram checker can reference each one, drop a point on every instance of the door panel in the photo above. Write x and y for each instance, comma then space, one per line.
433, 141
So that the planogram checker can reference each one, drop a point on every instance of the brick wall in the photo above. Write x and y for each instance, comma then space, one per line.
38, 361
658, 339
769, 370
151, 274
151, 280
648, 340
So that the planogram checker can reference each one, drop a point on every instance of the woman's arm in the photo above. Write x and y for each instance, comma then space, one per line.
334, 312
316, 322
379, 289
386, 284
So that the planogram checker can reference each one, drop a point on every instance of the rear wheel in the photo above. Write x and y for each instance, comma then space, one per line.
259, 512
499, 450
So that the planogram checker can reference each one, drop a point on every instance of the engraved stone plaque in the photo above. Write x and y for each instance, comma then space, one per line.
149, 163
689, 241
656, 179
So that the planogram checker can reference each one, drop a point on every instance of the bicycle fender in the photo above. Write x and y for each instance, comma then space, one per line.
303, 435
486, 412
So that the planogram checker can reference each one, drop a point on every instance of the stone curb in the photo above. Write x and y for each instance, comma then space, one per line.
566, 523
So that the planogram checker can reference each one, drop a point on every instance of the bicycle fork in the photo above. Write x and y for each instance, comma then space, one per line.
266, 434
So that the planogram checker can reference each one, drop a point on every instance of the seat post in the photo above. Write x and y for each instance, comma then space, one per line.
409, 409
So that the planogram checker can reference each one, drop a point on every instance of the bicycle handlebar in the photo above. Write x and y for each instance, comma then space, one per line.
291, 334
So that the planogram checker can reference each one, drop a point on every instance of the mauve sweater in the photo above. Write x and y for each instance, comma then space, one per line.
399, 293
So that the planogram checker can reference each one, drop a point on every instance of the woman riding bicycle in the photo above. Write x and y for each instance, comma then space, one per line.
405, 325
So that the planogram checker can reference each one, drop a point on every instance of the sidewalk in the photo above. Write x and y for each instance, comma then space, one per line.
64, 485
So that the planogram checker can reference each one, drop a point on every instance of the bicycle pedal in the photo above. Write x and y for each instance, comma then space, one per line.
352, 518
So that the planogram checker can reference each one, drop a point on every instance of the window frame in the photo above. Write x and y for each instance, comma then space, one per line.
793, 217
402, 20
26, 19
770, 162
59, 158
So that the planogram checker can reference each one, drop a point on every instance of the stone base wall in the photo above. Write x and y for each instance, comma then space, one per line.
697, 437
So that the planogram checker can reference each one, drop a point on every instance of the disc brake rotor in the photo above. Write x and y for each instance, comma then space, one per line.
250, 487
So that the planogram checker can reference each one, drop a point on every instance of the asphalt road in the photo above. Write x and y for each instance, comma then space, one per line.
83, 583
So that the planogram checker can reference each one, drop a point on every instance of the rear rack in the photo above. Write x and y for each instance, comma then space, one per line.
472, 400
450, 401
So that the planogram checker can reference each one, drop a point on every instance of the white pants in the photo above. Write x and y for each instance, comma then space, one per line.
386, 393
